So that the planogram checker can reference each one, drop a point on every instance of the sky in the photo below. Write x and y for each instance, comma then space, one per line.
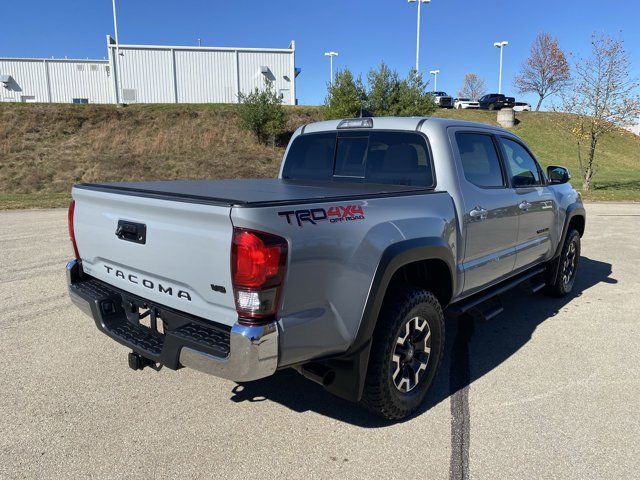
457, 35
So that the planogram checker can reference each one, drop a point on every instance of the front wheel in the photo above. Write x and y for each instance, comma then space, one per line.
561, 274
406, 353
492, 107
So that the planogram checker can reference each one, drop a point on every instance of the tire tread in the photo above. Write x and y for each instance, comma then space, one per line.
555, 287
376, 398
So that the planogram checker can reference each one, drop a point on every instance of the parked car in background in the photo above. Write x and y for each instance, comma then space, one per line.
442, 100
522, 107
496, 101
460, 103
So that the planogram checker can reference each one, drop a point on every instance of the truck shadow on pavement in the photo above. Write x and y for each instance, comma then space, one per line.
493, 343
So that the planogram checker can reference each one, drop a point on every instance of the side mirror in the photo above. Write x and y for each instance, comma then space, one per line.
558, 175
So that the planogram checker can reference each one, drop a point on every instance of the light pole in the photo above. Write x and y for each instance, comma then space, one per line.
331, 55
419, 2
435, 78
119, 72
500, 45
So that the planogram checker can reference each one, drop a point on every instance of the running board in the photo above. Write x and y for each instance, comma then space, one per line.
488, 309
537, 283
474, 303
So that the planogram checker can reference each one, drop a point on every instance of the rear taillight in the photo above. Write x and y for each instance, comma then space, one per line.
258, 264
72, 234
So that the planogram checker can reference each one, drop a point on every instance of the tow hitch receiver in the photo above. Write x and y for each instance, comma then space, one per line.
138, 362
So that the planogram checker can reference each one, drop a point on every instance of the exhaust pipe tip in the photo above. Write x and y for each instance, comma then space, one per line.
318, 373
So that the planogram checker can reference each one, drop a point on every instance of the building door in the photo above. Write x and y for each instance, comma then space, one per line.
27, 98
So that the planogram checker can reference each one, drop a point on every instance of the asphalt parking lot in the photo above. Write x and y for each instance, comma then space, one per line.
549, 389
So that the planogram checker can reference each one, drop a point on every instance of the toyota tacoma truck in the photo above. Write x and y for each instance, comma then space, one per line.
341, 268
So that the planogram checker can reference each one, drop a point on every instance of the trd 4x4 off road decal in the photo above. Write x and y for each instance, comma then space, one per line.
339, 213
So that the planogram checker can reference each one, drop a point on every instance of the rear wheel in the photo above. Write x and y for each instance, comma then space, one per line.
561, 273
406, 353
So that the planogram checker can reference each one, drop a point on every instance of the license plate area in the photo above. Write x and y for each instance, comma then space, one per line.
144, 314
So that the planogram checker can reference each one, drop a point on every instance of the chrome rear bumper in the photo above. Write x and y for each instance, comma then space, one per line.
253, 354
243, 353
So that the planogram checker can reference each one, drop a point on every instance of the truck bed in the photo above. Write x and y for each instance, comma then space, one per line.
252, 192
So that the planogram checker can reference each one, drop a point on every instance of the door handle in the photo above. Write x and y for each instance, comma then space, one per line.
478, 213
524, 205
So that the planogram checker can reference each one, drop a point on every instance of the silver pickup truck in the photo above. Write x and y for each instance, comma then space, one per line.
341, 268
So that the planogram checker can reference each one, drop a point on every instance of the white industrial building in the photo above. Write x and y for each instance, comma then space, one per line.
151, 74
54, 80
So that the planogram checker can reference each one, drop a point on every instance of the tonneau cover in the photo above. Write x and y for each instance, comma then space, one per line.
251, 192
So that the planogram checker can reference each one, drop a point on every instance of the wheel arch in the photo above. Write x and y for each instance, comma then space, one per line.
575, 217
421, 261
407, 261
432, 274
578, 222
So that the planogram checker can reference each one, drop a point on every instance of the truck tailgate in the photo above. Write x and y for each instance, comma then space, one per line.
179, 257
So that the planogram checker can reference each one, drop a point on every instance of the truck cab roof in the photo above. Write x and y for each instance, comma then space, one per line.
423, 124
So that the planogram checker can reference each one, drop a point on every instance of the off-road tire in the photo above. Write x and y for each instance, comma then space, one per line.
381, 396
557, 285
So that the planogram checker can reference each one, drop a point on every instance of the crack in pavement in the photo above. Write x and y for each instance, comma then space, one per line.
459, 379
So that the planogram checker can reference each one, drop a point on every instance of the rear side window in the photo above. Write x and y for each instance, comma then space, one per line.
522, 167
398, 158
480, 161
311, 157
395, 158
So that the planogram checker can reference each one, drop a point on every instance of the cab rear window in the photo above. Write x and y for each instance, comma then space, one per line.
310, 157
394, 158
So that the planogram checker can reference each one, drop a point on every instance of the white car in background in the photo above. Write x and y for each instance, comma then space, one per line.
522, 107
461, 103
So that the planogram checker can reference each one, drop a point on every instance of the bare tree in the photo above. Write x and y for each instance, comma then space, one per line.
546, 71
472, 87
603, 98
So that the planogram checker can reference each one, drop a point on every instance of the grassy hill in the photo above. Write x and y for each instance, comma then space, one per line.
547, 134
44, 149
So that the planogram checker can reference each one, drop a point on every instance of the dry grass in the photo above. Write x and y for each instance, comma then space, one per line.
9, 201
44, 149
47, 148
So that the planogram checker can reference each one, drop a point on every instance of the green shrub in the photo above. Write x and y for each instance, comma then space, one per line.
384, 90
346, 96
413, 98
262, 113
386, 94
